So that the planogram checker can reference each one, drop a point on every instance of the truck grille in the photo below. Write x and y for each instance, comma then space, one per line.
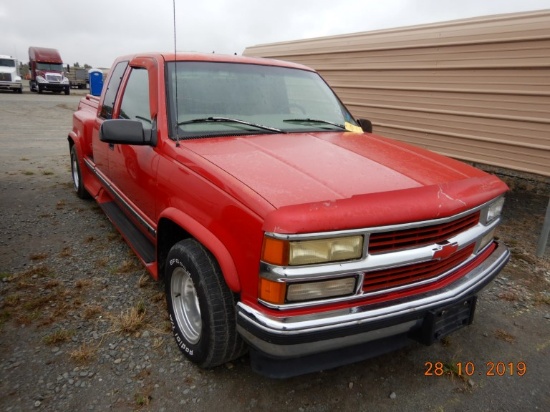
384, 242
54, 78
5, 77
411, 274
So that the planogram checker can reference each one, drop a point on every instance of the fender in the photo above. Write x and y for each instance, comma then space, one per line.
209, 241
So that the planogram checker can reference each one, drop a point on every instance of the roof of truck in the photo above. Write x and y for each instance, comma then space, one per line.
212, 57
44, 54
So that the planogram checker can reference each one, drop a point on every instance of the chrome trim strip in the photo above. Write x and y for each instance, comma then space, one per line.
114, 192
376, 229
365, 313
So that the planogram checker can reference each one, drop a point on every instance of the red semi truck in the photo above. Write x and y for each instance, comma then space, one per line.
47, 71
278, 223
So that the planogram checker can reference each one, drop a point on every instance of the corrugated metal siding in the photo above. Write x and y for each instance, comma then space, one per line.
475, 89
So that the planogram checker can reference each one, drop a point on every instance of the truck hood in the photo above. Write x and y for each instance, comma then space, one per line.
316, 169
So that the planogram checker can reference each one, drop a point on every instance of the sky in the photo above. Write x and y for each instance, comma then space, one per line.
95, 32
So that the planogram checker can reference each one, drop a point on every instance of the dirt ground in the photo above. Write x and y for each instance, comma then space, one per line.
82, 327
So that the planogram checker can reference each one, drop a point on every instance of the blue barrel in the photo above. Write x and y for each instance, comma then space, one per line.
96, 81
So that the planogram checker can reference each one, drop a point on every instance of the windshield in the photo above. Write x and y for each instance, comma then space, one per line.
7, 62
50, 66
212, 99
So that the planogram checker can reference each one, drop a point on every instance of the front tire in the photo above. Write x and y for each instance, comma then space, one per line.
201, 306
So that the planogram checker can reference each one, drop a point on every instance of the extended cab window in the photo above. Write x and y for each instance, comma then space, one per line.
112, 89
135, 101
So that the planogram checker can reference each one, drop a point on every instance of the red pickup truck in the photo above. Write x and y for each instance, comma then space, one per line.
279, 223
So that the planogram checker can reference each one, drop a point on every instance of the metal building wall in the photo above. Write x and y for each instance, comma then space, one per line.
475, 89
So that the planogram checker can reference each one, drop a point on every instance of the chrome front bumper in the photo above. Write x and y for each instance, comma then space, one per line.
295, 336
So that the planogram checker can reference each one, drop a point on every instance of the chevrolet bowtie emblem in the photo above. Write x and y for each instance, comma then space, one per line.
444, 250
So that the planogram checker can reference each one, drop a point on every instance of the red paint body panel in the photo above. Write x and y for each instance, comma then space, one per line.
296, 183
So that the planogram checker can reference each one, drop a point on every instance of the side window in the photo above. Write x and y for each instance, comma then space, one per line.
135, 101
112, 89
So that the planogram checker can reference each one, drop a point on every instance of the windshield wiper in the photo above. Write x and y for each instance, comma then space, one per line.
230, 120
308, 120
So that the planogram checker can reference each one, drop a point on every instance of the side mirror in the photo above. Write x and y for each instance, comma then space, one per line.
123, 131
365, 124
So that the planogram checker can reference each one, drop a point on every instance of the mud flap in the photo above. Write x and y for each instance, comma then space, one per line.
440, 322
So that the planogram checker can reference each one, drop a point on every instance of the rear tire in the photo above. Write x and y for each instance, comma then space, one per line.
81, 192
201, 306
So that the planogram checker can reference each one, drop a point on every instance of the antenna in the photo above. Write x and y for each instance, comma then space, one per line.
176, 76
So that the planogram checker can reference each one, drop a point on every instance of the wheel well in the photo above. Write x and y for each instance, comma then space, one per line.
169, 233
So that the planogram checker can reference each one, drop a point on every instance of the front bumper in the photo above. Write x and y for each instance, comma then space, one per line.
55, 87
298, 336
11, 86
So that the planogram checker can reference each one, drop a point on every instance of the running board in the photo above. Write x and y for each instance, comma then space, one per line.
137, 240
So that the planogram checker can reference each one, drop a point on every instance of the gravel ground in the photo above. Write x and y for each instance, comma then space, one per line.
83, 327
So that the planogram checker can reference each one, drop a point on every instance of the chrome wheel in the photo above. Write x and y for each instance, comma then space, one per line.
186, 305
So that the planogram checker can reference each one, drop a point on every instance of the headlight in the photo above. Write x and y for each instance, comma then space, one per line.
494, 210
40, 79
306, 252
300, 292
65, 80
280, 292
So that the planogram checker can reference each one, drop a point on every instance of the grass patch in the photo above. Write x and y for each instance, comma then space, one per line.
505, 336
27, 172
12, 300
102, 262
542, 298
52, 284
144, 280
59, 336
83, 283
4, 317
66, 252
127, 266
27, 318
508, 296
47, 172
36, 303
37, 271
114, 236
39, 256
91, 312
84, 354
518, 254
132, 320
143, 398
